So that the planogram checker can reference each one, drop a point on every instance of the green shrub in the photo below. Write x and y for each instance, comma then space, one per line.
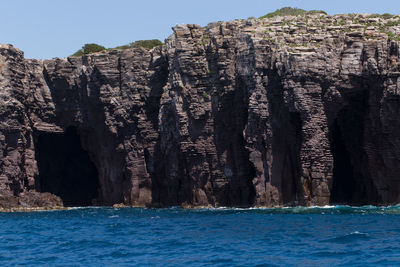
387, 16
148, 44
393, 36
122, 47
88, 49
93, 48
392, 23
384, 16
290, 11
206, 96
310, 12
78, 53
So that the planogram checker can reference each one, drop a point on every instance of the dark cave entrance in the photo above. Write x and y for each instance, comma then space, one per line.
351, 183
287, 139
291, 165
343, 177
65, 168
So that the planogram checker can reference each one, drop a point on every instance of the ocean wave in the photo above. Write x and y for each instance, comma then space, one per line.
352, 237
327, 209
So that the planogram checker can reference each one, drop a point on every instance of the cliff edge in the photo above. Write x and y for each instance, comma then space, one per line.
295, 110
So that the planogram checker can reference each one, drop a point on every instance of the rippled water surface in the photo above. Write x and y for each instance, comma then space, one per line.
343, 236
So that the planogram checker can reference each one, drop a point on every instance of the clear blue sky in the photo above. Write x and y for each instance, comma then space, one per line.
57, 28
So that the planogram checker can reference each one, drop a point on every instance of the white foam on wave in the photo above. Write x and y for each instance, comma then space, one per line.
391, 209
357, 233
75, 208
86, 207
326, 207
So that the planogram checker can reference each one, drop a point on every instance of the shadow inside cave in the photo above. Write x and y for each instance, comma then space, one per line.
352, 183
65, 168
343, 174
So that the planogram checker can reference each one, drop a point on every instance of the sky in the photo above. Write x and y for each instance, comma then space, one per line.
57, 28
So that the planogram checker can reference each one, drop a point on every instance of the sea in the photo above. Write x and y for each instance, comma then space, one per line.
296, 236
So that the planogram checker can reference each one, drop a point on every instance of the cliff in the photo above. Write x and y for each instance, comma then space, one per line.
296, 110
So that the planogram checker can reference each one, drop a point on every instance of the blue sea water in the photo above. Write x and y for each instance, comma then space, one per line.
328, 236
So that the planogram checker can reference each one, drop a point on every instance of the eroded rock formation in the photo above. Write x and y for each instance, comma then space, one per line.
283, 111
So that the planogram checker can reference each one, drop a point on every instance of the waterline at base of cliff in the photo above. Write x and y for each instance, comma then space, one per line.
338, 235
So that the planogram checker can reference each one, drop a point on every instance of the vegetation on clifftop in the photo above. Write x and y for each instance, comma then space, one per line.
372, 26
93, 48
291, 11
149, 44
88, 49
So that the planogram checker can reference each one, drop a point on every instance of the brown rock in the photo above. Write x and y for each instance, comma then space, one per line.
227, 115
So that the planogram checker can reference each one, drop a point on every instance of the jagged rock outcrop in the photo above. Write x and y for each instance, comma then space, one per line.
282, 111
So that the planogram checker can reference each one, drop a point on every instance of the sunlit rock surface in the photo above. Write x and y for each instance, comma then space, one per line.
283, 111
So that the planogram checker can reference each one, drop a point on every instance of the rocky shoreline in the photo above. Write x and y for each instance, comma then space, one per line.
294, 110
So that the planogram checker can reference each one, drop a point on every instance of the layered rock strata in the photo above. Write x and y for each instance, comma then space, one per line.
283, 111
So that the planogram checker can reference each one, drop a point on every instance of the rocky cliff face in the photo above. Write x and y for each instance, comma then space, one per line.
283, 111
